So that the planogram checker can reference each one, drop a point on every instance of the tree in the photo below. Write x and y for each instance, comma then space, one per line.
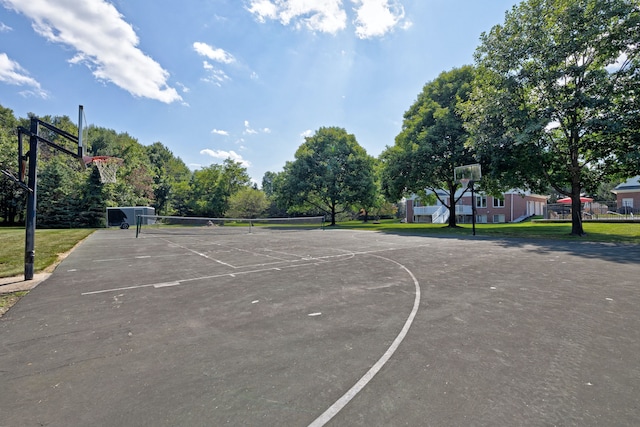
272, 182
556, 100
432, 142
91, 206
331, 172
56, 195
247, 202
12, 197
212, 186
168, 171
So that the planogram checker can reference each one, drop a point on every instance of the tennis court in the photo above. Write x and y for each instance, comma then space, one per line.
326, 327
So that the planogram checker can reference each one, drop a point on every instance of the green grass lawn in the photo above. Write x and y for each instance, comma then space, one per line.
49, 246
596, 232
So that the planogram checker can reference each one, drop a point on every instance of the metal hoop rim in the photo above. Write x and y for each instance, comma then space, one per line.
102, 159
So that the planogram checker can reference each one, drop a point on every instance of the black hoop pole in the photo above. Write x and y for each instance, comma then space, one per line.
30, 226
473, 207
32, 155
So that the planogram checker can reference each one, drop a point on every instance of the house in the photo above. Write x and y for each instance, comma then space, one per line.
513, 206
628, 196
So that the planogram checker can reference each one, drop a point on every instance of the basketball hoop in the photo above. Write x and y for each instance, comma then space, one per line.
465, 182
107, 166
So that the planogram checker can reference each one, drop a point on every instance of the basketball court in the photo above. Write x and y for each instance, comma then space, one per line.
326, 327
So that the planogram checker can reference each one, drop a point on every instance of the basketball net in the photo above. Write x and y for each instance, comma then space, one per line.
464, 182
107, 166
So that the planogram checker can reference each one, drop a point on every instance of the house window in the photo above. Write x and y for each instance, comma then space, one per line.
481, 201
498, 218
498, 202
481, 219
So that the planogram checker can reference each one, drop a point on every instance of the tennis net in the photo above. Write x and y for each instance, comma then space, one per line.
159, 224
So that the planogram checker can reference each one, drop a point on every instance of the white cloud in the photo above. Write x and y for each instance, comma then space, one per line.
12, 73
104, 41
248, 130
326, 16
218, 55
183, 87
220, 132
4, 28
621, 62
375, 18
306, 134
263, 9
216, 75
224, 155
552, 126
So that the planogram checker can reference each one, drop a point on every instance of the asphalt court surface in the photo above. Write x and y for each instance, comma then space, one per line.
328, 327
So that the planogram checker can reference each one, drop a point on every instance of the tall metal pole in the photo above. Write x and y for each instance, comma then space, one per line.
30, 226
80, 147
473, 208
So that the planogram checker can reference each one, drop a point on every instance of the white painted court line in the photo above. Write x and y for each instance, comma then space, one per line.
139, 257
125, 288
203, 255
368, 376
292, 264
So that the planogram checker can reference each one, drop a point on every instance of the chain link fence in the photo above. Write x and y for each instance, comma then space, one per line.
594, 210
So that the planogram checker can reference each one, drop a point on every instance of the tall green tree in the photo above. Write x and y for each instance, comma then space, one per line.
212, 186
168, 170
57, 195
92, 204
12, 198
432, 142
557, 99
271, 184
247, 202
331, 172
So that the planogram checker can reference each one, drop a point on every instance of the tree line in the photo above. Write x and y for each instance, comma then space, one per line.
70, 195
552, 103
73, 196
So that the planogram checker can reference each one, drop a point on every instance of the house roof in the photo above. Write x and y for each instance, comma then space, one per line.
459, 191
629, 186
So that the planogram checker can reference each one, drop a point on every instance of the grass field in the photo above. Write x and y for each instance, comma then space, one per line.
50, 245
596, 231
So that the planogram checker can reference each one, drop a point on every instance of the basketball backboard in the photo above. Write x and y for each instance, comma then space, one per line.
467, 173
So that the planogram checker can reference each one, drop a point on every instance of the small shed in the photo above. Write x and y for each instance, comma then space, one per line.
125, 216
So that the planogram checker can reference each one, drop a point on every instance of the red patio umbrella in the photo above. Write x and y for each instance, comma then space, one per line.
583, 199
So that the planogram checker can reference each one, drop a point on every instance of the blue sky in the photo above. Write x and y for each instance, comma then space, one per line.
245, 79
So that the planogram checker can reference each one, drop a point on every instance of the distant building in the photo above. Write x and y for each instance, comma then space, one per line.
126, 216
512, 206
628, 196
